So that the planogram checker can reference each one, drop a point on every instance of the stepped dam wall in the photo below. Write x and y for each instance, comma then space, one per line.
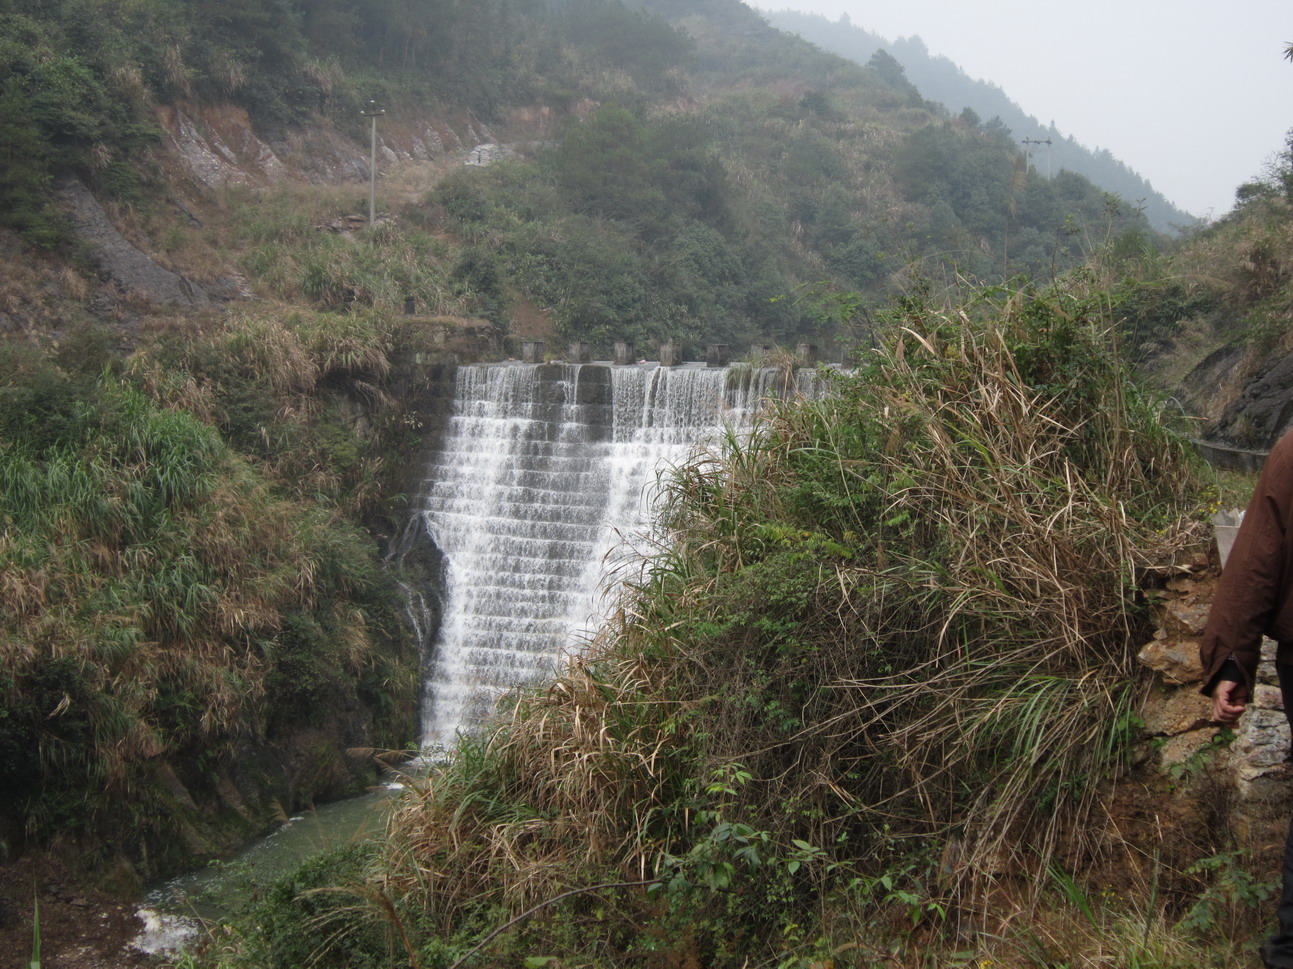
541, 483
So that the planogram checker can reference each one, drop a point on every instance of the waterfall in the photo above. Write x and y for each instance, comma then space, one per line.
541, 468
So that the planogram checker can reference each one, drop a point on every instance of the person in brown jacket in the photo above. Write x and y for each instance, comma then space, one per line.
1254, 598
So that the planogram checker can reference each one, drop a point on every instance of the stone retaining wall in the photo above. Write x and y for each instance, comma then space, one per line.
1250, 763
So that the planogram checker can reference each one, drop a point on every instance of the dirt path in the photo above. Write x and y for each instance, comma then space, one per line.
79, 928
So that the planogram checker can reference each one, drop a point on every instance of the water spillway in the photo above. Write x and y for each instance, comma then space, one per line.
540, 470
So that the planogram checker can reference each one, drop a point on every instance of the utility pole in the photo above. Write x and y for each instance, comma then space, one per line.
1029, 152
373, 112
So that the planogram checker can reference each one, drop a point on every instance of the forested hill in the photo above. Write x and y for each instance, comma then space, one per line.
941, 80
693, 164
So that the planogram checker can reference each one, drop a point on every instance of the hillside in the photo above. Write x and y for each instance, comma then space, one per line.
1212, 325
758, 163
938, 79
699, 184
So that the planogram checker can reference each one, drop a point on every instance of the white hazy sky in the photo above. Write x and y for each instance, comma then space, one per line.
1195, 95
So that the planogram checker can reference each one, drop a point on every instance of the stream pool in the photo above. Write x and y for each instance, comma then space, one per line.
173, 913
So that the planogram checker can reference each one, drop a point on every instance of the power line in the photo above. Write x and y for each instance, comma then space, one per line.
1029, 152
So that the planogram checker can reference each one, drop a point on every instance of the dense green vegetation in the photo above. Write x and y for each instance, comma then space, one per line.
186, 586
78, 77
667, 227
638, 222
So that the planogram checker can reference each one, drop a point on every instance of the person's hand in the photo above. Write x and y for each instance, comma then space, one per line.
1228, 698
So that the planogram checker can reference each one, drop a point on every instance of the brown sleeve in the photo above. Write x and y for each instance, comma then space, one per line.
1252, 585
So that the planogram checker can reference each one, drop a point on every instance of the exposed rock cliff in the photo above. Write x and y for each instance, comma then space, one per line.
119, 261
218, 146
1263, 410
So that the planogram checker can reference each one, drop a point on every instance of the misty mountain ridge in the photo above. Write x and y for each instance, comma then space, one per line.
939, 79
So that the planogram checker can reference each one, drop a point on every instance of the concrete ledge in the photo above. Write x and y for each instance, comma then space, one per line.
1230, 458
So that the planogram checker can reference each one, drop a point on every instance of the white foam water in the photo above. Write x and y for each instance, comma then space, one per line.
542, 469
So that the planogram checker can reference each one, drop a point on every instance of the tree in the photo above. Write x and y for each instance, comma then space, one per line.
892, 73
637, 41
604, 163
24, 171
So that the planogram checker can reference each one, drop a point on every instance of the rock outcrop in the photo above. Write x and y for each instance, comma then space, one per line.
1263, 412
218, 146
1246, 395
119, 261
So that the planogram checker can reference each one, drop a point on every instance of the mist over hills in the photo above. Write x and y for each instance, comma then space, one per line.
941, 80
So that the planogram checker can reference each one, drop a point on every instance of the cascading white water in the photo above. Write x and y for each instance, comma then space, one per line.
542, 467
